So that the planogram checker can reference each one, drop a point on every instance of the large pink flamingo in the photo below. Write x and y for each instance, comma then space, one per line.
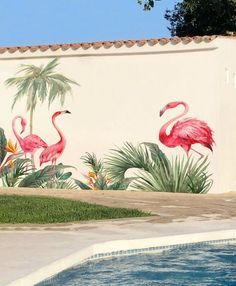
53, 152
30, 143
185, 132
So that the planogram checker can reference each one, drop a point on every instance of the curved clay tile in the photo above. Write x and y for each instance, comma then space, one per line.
75, 46
65, 47
141, 43
129, 43
33, 48
97, 45
86, 45
23, 49
118, 44
54, 47
107, 45
197, 39
44, 48
186, 40
3, 50
164, 41
152, 42
12, 50
175, 40
208, 38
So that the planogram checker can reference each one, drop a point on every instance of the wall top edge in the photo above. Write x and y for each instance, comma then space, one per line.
103, 47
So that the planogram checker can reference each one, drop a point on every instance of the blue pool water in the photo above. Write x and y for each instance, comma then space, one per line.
211, 265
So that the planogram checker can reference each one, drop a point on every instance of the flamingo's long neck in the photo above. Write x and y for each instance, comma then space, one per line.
19, 139
62, 137
163, 136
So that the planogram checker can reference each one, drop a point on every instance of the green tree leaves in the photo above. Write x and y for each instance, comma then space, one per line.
200, 17
147, 4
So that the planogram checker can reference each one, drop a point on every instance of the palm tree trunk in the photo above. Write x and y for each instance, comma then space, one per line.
31, 131
31, 120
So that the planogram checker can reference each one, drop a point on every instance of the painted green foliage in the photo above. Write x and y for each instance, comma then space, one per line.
40, 84
153, 170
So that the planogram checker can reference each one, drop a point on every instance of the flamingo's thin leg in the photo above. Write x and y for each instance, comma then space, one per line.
201, 155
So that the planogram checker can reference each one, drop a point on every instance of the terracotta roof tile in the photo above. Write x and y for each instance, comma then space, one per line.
107, 44
97, 45
12, 49
116, 44
23, 49
43, 48
86, 45
65, 47
141, 43
3, 50
152, 42
34, 48
75, 46
55, 47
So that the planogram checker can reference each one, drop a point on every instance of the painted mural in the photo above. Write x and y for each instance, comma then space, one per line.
32, 162
186, 132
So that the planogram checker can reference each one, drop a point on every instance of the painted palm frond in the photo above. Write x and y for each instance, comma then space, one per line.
98, 178
40, 84
90, 160
3, 144
43, 176
155, 172
128, 157
15, 171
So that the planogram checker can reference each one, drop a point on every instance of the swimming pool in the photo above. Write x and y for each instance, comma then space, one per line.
200, 265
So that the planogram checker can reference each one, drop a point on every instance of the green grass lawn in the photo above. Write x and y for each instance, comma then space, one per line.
35, 209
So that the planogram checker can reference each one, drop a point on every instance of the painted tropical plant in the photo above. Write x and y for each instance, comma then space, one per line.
153, 171
16, 171
97, 178
49, 177
12, 167
40, 84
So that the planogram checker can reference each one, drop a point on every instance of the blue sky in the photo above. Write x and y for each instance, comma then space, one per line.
30, 22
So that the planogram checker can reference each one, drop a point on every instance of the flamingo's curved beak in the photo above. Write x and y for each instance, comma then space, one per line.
162, 112
67, 111
23, 129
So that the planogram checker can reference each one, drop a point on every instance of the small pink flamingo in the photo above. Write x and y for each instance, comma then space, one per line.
185, 132
30, 143
53, 152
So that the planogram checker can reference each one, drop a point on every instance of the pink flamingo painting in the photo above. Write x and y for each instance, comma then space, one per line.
30, 143
53, 152
185, 132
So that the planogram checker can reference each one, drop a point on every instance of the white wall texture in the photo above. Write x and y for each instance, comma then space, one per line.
122, 90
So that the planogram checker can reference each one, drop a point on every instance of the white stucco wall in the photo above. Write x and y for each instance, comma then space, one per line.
122, 90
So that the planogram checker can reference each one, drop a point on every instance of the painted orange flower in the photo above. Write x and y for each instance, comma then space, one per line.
11, 164
11, 148
91, 175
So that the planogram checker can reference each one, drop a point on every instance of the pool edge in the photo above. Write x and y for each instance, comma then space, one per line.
123, 247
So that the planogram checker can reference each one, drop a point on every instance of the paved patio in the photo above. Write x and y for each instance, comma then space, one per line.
26, 248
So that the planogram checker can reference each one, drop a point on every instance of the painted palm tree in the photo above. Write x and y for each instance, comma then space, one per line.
40, 84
